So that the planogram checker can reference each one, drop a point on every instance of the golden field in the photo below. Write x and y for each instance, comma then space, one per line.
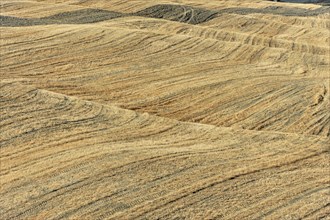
174, 109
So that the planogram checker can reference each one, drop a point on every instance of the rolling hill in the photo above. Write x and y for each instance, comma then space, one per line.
164, 109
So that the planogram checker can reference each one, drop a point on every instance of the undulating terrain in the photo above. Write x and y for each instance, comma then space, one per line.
170, 109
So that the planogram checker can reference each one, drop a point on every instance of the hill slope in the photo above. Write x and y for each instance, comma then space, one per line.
164, 109
78, 159
208, 74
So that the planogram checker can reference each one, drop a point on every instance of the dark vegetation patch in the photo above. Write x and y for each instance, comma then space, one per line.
278, 10
185, 14
8, 21
179, 13
83, 16
319, 2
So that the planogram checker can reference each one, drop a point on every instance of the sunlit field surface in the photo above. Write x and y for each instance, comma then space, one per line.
171, 109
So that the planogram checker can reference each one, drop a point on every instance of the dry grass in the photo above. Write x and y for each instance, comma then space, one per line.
165, 117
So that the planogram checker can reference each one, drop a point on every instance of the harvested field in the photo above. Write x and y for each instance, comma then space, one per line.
179, 13
164, 110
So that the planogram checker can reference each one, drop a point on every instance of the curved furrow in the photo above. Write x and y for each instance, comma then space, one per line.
66, 165
238, 35
150, 68
184, 194
164, 110
165, 51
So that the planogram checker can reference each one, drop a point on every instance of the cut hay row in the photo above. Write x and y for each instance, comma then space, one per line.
214, 75
166, 114
82, 160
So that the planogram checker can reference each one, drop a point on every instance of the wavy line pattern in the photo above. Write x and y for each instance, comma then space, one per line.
164, 110
185, 14
193, 73
74, 153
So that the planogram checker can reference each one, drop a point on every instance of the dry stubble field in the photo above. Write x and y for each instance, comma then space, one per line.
171, 109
